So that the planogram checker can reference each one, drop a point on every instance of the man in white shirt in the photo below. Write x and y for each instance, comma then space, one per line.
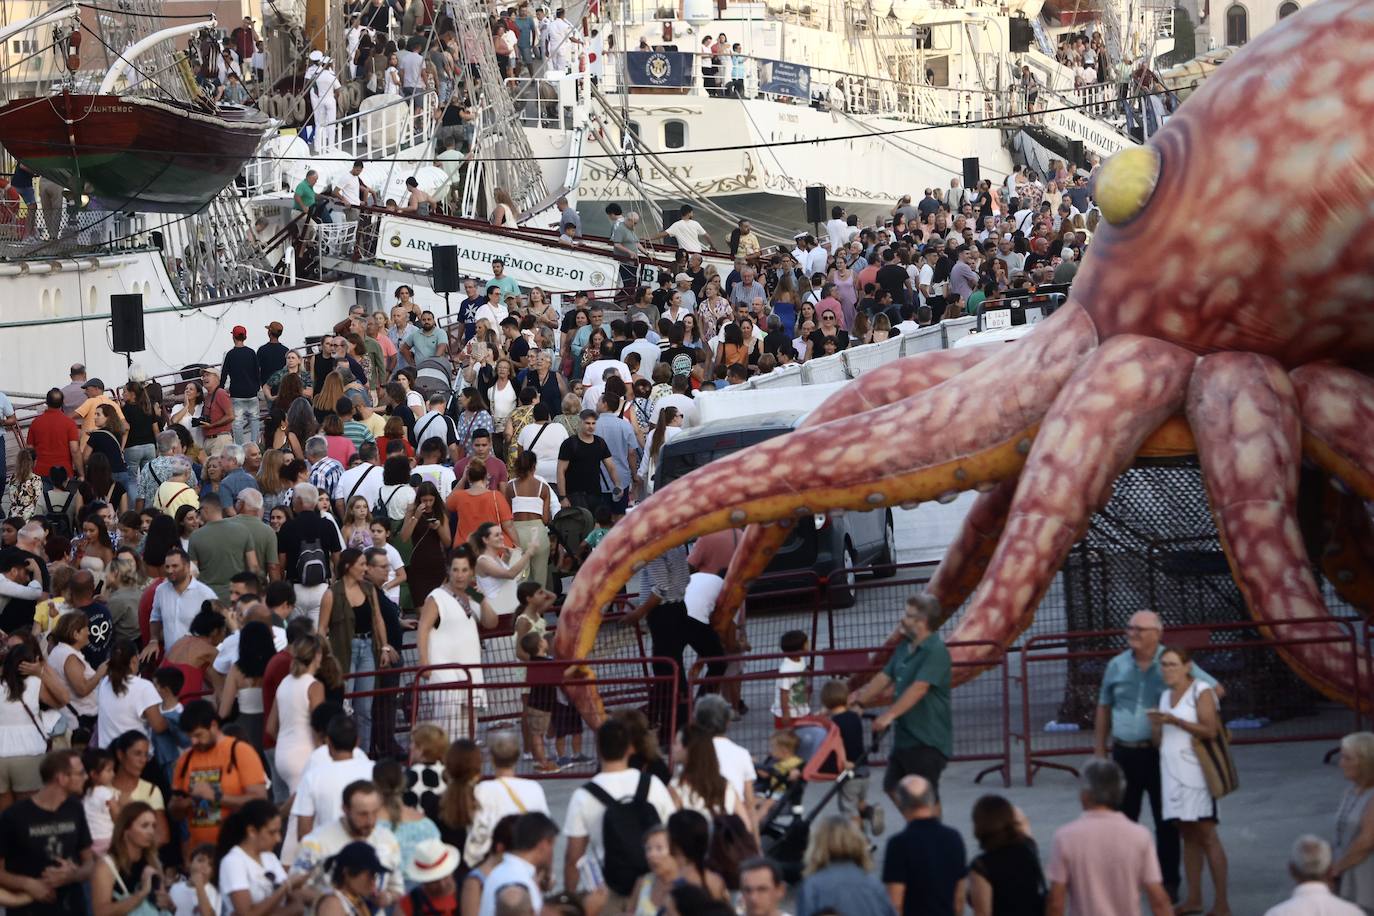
810, 257
411, 65
433, 424
175, 602
836, 229
687, 232
431, 470
648, 353
544, 439
229, 648
319, 795
324, 94
351, 190
363, 479
504, 794
531, 852
595, 373
362, 808
1309, 864
616, 779
679, 399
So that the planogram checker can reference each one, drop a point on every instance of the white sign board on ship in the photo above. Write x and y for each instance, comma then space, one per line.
556, 268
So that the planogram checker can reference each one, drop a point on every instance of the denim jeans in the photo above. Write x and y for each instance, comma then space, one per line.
362, 660
247, 423
136, 457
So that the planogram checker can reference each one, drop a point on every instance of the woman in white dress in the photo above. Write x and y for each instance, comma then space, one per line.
448, 635
297, 696
1187, 710
498, 567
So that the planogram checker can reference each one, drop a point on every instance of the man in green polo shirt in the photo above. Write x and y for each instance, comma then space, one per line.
919, 673
305, 192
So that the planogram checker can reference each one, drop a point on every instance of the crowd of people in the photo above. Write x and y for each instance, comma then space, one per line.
202, 589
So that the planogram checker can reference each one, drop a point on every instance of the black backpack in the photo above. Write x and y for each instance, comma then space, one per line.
622, 834
59, 519
312, 564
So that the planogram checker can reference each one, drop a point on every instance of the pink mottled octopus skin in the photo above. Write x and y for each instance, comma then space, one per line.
886, 385
1191, 293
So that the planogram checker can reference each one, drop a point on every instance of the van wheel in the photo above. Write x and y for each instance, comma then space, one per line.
885, 564
841, 592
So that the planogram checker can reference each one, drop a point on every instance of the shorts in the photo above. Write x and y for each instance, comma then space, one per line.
618, 506
853, 796
538, 721
20, 774
917, 760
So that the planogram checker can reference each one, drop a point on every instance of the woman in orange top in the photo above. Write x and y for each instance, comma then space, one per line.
477, 504
732, 350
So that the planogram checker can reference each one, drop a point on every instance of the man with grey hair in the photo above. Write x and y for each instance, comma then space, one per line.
1103, 861
324, 470
158, 471
179, 489
248, 515
307, 547
513, 900
235, 478
925, 862
503, 794
919, 673
1309, 863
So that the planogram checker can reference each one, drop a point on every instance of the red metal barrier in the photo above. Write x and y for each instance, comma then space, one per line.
1241, 650
466, 709
981, 706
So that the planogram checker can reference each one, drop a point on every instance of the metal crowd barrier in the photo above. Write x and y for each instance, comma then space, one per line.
1060, 674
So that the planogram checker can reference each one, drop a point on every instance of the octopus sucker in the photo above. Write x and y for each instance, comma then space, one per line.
1129, 366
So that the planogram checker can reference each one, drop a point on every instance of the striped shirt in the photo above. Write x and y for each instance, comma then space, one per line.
668, 575
357, 432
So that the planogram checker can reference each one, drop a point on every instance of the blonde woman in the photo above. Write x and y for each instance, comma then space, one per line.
1352, 866
839, 872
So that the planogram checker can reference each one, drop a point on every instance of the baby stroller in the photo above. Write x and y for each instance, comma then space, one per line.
434, 376
569, 530
786, 826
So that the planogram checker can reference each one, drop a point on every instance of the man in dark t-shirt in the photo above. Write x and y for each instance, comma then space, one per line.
924, 867
582, 460
45, 844
81, 592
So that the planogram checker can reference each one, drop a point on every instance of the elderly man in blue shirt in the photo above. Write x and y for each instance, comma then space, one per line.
1131, 687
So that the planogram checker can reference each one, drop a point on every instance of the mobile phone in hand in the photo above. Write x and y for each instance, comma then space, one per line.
474, 593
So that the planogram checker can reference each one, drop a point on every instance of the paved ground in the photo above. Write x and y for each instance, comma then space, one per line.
1285, 791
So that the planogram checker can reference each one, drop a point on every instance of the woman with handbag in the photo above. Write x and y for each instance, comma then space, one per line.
351, 619
128, 881
24, 737
1187, 722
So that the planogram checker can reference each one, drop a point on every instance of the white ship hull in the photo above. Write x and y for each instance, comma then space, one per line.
62, 316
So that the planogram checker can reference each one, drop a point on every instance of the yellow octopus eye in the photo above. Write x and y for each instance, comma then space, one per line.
1125, 182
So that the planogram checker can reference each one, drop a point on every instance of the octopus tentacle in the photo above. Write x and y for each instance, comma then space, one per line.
909, 451
1244, 414
1347, 558
889, 384
1123, 393
1337, 410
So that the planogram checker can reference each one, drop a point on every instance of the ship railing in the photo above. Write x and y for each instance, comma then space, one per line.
550, 103
262, 175
24, 232
853, 93
387, 128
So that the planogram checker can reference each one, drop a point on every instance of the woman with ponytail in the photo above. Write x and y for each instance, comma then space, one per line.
252, 881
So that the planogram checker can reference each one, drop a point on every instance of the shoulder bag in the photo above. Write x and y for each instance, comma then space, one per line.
1218, 766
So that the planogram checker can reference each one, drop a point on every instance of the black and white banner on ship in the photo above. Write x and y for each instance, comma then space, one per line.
553, 267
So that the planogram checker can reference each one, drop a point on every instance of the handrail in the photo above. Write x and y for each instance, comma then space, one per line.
859, 93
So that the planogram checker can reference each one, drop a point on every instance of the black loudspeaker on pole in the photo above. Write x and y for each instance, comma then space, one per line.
126, 323
971, 174
815, 204
1021, 35
444, 269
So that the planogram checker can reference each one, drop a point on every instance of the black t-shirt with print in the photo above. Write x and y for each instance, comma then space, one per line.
33, 838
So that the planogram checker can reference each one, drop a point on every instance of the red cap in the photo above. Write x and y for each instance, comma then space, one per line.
239, 331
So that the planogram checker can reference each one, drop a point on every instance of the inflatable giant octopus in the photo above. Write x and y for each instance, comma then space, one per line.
1225, 307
